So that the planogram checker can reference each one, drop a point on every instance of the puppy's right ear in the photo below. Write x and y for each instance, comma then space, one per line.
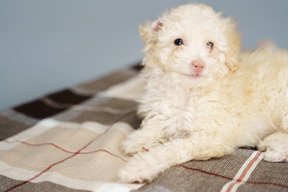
233, 44
148, 31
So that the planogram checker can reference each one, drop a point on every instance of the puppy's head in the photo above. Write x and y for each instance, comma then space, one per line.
192, 41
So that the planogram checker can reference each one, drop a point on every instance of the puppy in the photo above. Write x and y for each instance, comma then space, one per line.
202, 99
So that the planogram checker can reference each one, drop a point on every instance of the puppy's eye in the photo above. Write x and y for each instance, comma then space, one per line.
178, 42
210, 46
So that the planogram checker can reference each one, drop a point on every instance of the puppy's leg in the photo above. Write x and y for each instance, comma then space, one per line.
275, 147
146, 166
143, 139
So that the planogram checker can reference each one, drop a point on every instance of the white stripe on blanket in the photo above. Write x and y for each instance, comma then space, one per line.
244, 172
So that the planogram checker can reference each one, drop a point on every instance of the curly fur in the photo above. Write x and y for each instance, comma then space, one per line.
193, 113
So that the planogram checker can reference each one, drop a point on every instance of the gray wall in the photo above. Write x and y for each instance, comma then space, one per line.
48, 45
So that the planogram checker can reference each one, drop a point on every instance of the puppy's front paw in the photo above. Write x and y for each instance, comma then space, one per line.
129, 176
137, 170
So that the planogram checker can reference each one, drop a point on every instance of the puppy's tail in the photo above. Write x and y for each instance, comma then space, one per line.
267, 62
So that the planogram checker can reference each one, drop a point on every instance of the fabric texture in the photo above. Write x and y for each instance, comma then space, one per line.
69, 141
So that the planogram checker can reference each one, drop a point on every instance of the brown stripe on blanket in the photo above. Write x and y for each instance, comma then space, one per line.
105, 82
138, 66
6, 182
68, 97
107, 118
103, 110
37, 109
40, 109
9, 128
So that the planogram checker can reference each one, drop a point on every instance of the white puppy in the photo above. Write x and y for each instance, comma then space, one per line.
202, 100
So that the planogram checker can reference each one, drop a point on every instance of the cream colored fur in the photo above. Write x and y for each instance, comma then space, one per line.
190, 115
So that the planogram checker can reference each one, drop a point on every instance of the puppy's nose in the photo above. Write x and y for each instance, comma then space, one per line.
198, 65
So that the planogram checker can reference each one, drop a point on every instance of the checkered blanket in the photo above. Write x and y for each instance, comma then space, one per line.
69, 141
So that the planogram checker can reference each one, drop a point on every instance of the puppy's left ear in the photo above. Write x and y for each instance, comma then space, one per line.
233, 45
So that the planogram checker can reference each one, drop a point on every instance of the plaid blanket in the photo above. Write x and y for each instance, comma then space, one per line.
69, 141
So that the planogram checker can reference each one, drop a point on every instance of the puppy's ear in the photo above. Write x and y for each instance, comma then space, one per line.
233, 45
149, 30
149, 34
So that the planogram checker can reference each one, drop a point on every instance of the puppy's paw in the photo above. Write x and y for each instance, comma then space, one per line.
129, 176
137, 170
275, 147
275, 156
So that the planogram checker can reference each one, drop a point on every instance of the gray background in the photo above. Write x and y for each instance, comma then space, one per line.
47, 45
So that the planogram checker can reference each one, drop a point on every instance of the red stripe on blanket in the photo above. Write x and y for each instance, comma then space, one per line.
103, 150
206, 172
76, 153
40, 144
64, 150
